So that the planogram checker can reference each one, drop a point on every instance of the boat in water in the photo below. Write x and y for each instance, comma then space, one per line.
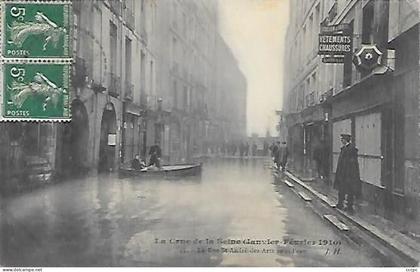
166, 171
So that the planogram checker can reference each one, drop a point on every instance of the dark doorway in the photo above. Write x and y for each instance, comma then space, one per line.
108, 140
75, 141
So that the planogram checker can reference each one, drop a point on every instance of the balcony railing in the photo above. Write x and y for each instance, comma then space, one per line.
114, 87
129, 90
79, 72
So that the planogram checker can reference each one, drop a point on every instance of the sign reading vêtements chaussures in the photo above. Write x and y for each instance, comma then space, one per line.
35, 92
36, 29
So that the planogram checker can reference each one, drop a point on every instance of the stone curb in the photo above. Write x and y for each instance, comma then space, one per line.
374, 232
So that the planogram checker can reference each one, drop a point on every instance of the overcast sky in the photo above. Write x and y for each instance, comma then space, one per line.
255, 30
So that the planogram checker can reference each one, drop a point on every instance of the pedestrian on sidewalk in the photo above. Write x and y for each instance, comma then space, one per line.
283, 154
254, 149
275, 155
265, 148
246, 153
347, 177
241, 149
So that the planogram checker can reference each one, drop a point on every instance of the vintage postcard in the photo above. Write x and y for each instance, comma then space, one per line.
209, 133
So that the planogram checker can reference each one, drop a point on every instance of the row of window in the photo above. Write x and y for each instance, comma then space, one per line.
369, 35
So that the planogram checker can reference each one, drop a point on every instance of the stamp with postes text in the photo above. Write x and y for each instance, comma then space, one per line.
35, 91
36, 30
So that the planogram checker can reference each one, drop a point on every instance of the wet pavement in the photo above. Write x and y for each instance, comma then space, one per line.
234, 215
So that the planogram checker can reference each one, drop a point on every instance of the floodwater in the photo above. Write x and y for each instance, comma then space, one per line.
231, 216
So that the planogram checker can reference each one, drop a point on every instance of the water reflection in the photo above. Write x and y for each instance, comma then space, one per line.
106, 221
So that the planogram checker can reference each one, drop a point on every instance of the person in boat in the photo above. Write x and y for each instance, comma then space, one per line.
137, 164
155, 154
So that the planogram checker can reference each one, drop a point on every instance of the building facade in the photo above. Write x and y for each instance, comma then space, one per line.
144, 73
202, 89
378, 106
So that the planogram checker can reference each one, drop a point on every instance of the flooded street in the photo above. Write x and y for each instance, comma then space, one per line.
234, 215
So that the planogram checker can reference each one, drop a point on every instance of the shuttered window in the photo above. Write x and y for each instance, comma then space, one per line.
368, 141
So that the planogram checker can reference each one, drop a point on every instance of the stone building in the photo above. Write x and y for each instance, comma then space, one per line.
144, 73
191, 58
112, 85
230, 96
113, 81
378, 106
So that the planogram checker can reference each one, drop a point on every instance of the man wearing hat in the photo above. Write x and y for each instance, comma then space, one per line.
347, 176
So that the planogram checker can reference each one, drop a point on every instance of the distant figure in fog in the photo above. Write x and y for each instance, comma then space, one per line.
347, 176
234, 148
246, 149
265, 148
241, 149
275, 154
273, 149
283, 153
254, 149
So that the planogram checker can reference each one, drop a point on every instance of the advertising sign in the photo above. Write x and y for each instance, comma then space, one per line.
335, 44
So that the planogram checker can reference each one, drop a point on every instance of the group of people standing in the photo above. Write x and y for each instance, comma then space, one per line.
243, 149
347, 174
279, 153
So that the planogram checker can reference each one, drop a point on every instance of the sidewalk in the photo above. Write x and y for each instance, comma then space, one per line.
403, 237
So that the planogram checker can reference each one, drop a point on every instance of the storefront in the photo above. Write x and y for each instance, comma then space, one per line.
366, 111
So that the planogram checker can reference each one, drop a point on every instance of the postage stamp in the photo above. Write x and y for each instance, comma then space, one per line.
36, 30
35, 91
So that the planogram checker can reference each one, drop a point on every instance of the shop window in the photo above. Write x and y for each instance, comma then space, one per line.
368, 141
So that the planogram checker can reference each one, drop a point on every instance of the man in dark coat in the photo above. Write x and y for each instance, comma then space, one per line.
283, 154
347, 176
254, 149
276, 154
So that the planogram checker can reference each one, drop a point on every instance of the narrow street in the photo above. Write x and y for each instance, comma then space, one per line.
106, 221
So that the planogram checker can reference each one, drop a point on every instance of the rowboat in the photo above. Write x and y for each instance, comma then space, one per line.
166, 171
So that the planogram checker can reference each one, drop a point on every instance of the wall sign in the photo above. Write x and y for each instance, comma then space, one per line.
112, 139
335, 43
333, 59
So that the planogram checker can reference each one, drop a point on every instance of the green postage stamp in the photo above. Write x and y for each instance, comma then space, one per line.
36, 56
36, 29
35, 91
